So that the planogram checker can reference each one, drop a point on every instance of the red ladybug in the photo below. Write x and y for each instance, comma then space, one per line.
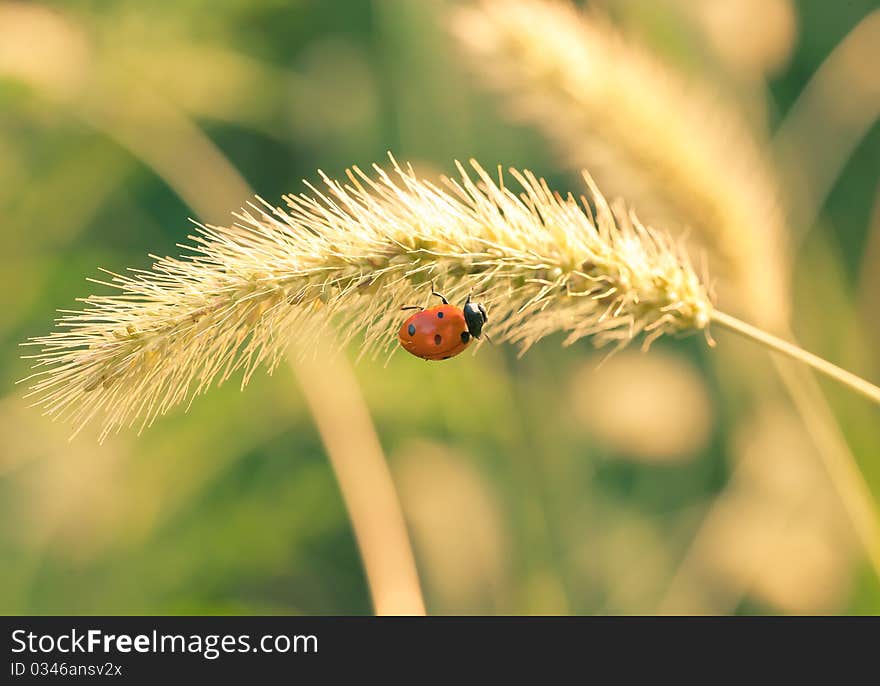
441, 332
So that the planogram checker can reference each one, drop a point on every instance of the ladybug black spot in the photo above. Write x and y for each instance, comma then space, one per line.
439, 315
411, 329
465, 337
438, 339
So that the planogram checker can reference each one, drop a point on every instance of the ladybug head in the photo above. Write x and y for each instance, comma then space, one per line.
475, 316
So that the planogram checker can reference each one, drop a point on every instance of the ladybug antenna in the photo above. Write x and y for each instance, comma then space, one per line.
489, 339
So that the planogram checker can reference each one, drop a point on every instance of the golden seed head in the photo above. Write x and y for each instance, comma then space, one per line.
352, 254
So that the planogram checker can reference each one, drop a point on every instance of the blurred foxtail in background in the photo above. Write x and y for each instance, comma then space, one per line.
685, 153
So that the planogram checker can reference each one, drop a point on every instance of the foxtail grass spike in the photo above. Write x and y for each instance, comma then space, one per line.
354, 252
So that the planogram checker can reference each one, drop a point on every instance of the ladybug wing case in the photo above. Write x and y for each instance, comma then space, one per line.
437, 333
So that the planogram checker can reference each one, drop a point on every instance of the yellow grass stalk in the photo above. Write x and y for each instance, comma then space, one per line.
831, 116
343, 420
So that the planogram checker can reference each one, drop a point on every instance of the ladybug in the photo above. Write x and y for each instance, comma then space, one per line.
441, 332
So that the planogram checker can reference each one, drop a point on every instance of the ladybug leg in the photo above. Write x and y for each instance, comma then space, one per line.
433, 292
412, 307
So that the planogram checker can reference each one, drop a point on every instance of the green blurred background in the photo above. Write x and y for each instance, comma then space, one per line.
533, 485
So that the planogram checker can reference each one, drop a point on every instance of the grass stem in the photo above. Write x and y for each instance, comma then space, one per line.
832, 371
341, 416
